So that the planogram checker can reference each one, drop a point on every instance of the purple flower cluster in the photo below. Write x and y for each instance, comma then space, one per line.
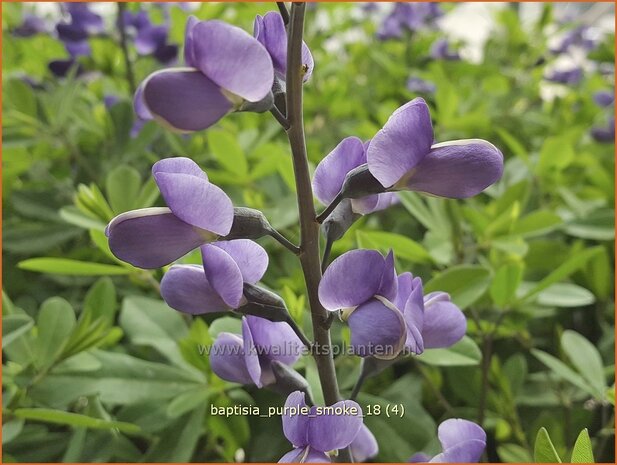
150, 39
410, 17
229, 70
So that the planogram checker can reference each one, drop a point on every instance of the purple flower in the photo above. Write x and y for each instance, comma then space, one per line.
604, 98
410, 16
567, 76
150, 39
218, 284
402, 156
462, 441
315, 431
365, 446
270, 31
83, 23
225, 67
332, 170
419, 85
30, 26
440, 50
605, 134
85, 19
110, 100
247, 359
198, 212
578, 37
385, 312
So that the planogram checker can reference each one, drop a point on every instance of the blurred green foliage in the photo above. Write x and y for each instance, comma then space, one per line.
97, 368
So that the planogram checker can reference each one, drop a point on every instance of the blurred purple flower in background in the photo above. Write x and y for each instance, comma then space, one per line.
420, 86
198, 212
577, 37
247, 359
410, 17
571, 76
440, 50
225, 67
462, 441
604, 98
315, 433
30, 26
150, 39
605, 134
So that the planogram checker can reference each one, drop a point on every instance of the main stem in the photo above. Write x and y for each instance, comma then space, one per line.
309, 228
130, 76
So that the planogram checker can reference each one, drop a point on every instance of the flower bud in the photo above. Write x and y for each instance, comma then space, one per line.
339, 221
264, 304
359, 182
289, 380
248, 223
258, 107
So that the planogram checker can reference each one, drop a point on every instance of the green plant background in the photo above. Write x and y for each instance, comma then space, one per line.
97, 368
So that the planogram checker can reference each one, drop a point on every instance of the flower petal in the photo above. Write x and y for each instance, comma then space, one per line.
419, 457
276, 339
351, 279
389, 283
270, 31
153, 237
402, 143
227, 359
332, 170
184, 100
374, 203
223, 274
333, 429
233, 59
377, 329
415, 318
185, 288
139, 106
191, 197
305, 455
462, 441
365, 446
444, 322
189, 44
295, 427
457, 169
251, 258
251, 355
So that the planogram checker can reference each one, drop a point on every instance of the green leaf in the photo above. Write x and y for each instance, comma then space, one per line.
464, 283
187, 401
544, 451
123, 185
464, 353
586, 359
152, 323
75, 216
599, 225
565, 295
402, 246
73, 419
13, 326
537, 223
65, 266
564, 371
582, 452
55, 323
228, 152
556, 153
568, 267
505, 283
100, 301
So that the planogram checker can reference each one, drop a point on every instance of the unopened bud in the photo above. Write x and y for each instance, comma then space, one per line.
248, 224
360, 182
339, 221
263, 303
289, 380
258, 107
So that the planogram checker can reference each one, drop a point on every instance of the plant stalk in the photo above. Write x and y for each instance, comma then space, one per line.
130, 76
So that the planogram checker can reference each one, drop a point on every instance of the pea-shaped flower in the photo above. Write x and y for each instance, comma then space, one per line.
332, 171
218, 284
462, 441
247, 359
365, 446
197, 212
364, 284
225, 68
315, 431
270, 31
388, 313
402, 156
